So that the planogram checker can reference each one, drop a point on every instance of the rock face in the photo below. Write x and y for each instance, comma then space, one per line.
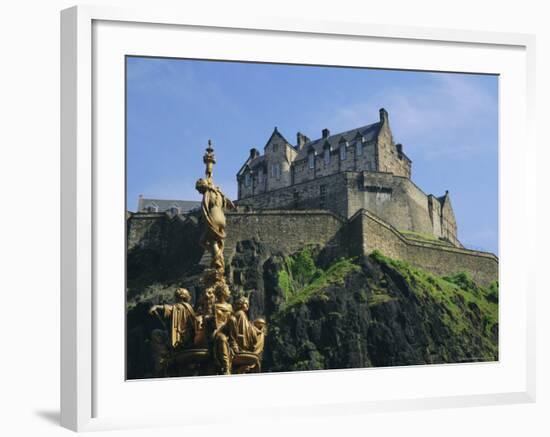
322, 312
378, 312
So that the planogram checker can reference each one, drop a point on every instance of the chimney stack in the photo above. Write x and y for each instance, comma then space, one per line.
301, 140
383, 116
326, 133
254, 153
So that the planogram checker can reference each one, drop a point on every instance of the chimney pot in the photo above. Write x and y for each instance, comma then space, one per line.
326, 133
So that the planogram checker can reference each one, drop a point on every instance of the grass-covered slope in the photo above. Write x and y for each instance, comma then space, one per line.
374, 311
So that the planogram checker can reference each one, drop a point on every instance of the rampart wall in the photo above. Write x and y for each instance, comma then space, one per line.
368, 232
329, 192
288, 231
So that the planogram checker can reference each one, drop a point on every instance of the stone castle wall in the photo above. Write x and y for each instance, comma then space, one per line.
390, 156
289, 231
357, 157
330, 192
372, 233
395, 199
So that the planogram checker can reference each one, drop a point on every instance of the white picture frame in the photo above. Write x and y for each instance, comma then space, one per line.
93, 394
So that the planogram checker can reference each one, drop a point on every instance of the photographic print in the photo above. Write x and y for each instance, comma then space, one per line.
286, 218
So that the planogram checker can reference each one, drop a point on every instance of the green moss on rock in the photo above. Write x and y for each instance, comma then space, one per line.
377, 311
302, 279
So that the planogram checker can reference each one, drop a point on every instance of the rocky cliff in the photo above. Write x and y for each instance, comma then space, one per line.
323, 312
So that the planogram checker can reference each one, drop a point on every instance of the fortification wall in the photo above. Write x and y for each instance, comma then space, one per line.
396, 200
330, 192
172, 240
389, 158
287, 231
373, 233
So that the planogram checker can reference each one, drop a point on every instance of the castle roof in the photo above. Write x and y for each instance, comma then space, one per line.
368, 132
277, 134
258, 160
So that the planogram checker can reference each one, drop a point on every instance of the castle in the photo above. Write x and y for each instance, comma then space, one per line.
350, 193
362, 168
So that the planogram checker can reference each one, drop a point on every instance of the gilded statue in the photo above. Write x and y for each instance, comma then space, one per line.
217, 337
183, 320
214, 202
223, 335
249, 335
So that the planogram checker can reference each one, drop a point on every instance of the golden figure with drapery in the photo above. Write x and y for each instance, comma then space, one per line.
217, 338
249, 335
183, 320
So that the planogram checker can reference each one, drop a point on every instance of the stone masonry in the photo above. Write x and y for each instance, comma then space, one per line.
358, 169
289, 231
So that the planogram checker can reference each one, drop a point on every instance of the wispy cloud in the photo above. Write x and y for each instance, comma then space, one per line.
442, 118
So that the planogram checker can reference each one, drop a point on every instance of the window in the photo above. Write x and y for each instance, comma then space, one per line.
247, 180
152, 208
275, 147
174, 210
343, 151
322, 196
260, 176
311, 160
359, 148
276, 170
327, 156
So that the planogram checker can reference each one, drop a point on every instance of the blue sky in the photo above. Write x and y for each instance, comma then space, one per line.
447, 123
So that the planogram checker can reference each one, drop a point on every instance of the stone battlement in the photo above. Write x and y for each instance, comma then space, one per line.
288, 231
373, 233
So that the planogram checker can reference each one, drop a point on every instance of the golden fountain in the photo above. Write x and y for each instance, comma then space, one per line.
215, 337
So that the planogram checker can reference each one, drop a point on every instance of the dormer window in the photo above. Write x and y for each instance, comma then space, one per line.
327, 156
343, 151
311, 160
174, 210
152, 207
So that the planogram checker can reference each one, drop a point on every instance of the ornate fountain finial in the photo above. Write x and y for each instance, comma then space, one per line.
209, 160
